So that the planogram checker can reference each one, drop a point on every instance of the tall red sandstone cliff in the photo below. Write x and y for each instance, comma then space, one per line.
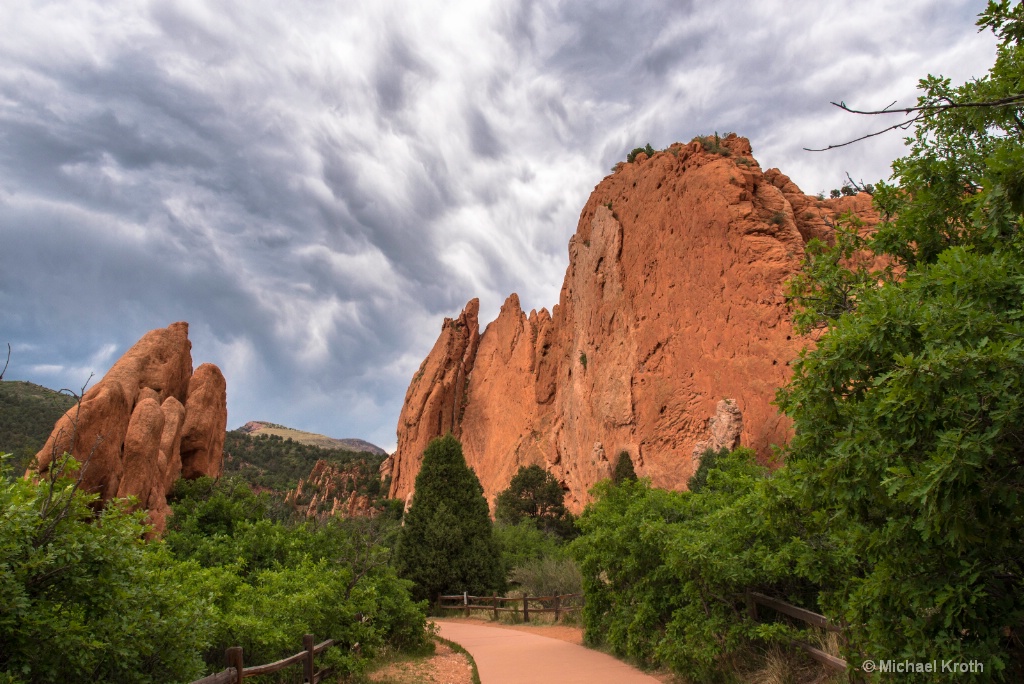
149, 421
672, 301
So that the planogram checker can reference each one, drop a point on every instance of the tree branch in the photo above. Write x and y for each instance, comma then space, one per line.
920, 112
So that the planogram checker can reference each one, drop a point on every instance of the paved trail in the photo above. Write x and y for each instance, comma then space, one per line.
505, 656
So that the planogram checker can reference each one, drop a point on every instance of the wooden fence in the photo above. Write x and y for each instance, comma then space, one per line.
237, 671
755, 599
559, 604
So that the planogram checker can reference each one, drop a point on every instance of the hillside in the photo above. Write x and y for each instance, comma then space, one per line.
27, 415
255, 428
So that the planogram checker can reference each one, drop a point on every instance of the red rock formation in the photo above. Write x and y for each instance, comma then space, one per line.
206, 417
331, 491
131, 428
673, 298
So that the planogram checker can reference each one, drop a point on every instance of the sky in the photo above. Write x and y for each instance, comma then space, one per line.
314, 186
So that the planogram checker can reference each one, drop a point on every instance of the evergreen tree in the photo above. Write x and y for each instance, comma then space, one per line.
623, 469
446, 543
534, 494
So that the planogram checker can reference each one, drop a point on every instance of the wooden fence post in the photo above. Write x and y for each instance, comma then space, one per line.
751, 607
495, 606
526, 609
438, 603
465, 602
307, 664
557, 606
234, 658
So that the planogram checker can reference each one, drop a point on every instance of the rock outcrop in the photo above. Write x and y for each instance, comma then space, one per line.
724, 430
673, 298
149, 421
331, 490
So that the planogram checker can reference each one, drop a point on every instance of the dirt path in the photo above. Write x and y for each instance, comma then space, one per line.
510, 656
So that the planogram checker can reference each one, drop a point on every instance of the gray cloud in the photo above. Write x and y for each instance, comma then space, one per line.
314, 186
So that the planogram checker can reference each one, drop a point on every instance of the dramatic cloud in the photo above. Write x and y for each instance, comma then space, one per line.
315, 185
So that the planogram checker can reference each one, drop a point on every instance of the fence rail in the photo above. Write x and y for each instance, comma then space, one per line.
495, 603
236, 671
754, 599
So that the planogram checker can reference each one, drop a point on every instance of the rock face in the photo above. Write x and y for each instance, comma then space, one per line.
149, 421
673, 298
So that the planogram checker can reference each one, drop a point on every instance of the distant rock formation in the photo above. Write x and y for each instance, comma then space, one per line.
149, 421
329, 491
673, 298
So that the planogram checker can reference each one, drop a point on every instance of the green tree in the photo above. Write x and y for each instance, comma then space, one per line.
446, 542
623, 469
909, 413
88, 600
535, 495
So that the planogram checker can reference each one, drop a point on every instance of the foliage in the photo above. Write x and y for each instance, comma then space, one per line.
272, 462
85, 601
623, 468
713, 144
648, 150
833, 277
124, 610
663, 572
524, 543
28, 413
277, 580
909, 412
535, 495
446, 542
547, 577
708, 461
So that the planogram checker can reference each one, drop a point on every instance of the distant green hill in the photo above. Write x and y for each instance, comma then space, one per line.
28, 413
274, 462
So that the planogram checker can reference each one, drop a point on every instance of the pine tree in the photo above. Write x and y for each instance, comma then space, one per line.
534, 494
623, 469
446, 543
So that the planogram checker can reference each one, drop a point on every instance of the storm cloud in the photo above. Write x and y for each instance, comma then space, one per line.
313, 186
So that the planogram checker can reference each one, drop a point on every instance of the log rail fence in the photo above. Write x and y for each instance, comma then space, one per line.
755, 599
236, 671
560, 603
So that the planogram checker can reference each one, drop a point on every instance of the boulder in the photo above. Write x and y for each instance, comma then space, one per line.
129, 429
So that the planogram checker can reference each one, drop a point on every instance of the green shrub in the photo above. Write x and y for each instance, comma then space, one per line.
648, 150
547, 577
113, 608
713, 144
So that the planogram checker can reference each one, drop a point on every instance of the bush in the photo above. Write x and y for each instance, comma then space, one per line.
115, 609
547, 577
648, 150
